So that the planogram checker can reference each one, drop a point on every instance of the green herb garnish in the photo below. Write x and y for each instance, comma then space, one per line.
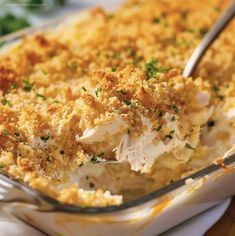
122, 92
128, 103
158, 128
41, 96
94, 160
128, 131
175, 108
84, 89
170, 135
44, 138
187, 145
216, 92
156, 20
97, 91
113, 69
5, 102
152, 69
27, 85
210, 123
173, 118
203, 31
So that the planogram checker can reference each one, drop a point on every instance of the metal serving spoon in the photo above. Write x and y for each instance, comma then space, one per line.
201, 49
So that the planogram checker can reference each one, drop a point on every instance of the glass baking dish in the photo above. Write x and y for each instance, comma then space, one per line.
147, 216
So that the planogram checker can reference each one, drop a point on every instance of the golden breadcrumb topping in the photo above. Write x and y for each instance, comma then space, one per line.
100, 69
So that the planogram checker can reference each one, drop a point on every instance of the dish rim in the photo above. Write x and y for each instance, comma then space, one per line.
66, 208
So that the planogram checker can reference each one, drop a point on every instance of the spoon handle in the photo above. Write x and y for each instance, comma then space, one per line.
208, 40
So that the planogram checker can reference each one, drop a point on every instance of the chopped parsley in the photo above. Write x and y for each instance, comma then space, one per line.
175, 108
158, 128
41, 96
13, 86
173, 118
113, 69
84, 89
97, 91
128, 103
203, 31
171, 181
187, 145
17, 134
28, 86
152, 69
170, 135
128, 131
44, 138
5, 102
122, 92
210, 123
94, 160
216, 92
156, 20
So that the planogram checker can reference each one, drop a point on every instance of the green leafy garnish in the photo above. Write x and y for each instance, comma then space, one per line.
152, 69
128, 103
41, 96
156, 20
173, 118
216, 92
211, 123
113, 69
170, 135
175, 108
203, 31
94, 160
187, 145
97, 91
122, 92
84, 89
28, 86
158, 128
44, 138
5, 102
128, 131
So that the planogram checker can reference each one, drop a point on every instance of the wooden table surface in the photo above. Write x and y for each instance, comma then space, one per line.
226, 225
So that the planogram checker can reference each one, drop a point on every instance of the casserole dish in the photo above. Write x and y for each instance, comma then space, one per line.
148, 215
